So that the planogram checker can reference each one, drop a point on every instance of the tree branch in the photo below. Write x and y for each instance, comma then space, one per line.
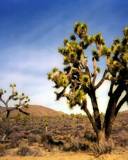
102, 80
122, 101
111, 89
85, 109
109, 116
26, 113
96, 112
9, 110
95, 71
9, 98
3, 102
7, 113
85, 66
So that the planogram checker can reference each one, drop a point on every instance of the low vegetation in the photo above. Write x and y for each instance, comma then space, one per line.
63, 133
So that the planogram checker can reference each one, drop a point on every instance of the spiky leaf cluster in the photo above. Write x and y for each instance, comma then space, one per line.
59, 78
76, 78
20, 99
117, 61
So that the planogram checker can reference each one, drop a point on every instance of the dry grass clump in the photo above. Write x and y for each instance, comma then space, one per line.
2, 150
24, 149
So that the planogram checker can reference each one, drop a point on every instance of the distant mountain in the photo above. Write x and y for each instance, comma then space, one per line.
37, 111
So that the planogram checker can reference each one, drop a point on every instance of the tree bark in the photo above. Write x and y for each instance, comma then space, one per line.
91, 119
123, 100
95, 108
109, 116
101, 137
104, 145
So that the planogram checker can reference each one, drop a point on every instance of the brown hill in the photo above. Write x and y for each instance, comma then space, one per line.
39, 111
36, 111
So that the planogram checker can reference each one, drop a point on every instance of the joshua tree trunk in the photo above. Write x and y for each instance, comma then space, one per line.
102, 132
96, 113
101, 137
111, 110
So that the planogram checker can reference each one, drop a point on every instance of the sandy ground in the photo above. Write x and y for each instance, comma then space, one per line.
123, 155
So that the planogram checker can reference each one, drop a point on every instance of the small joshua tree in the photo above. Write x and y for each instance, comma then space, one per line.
46, 125
16, 100
79, 78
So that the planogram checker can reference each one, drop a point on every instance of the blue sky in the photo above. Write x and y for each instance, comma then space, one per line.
31, 31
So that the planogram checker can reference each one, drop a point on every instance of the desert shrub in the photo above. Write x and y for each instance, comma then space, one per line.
99, 149
122, 139
83, 145
24, 149
6, 127
72, 144
51, 143
2, 149
43, 137
44, 141
17, 118
75, 143
67, 146
36, 131
15, 138
16, 128
36, 151
124, 143
32, 138
90, 137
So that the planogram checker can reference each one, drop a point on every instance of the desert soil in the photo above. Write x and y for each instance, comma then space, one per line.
120, 155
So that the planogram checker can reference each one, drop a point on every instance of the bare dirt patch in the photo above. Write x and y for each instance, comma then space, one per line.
122, 155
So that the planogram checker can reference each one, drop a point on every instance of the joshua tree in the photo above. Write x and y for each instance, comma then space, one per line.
46, 125
16, 100
80, 78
